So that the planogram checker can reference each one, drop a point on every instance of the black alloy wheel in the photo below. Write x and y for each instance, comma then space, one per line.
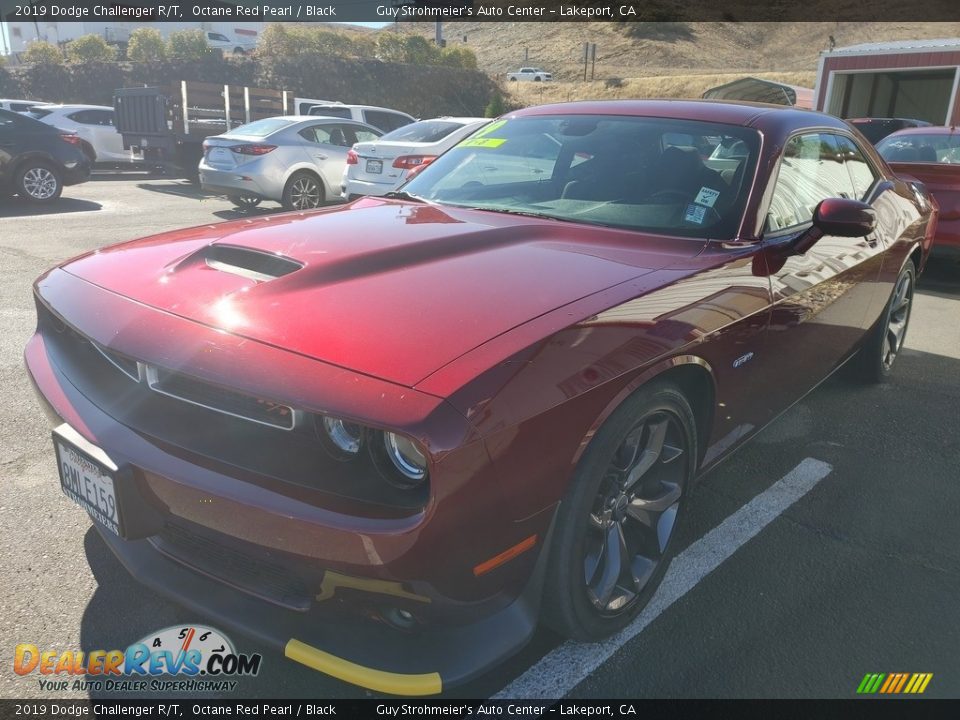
612, 538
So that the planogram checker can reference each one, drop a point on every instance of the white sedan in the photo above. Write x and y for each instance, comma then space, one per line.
378, 167
99, 138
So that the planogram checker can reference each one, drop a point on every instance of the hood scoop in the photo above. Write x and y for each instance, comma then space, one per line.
251, 264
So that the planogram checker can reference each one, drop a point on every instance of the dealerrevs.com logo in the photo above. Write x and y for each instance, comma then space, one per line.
204, 657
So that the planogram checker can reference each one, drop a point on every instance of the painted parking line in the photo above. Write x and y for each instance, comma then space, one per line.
560, 670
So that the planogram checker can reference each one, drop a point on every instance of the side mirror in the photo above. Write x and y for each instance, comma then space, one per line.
840, 217
844, 218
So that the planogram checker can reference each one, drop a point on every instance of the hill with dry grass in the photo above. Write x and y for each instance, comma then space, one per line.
661, 59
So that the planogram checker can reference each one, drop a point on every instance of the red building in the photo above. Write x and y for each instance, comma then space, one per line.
906, 79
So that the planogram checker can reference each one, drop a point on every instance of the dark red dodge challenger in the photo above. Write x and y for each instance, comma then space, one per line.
385, 439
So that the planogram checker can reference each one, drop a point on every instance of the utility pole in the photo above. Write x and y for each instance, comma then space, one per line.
593, 59
586, 56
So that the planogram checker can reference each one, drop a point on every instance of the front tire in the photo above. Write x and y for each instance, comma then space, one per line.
303, 191
874, 363
614, 529
38, 182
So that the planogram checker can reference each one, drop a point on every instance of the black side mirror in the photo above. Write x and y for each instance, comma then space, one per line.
840, 217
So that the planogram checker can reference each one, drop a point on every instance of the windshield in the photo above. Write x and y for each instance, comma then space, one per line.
426, 131
934, 148
637, 173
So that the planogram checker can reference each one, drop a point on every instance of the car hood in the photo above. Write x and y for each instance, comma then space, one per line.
389, 289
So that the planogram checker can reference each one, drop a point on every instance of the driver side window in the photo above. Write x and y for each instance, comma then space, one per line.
811, 170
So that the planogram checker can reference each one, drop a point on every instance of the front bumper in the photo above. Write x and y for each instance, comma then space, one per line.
341, 629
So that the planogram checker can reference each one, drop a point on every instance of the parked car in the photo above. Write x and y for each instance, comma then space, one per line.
384, 119
876, 129
219, 41
529, 74
386, 438
932, 156
378, 167
20, 106
296, 161
99, 138
36, 160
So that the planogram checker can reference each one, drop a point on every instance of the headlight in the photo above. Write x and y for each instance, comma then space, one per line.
340, 438
408, 465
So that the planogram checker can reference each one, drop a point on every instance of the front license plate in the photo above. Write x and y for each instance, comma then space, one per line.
375, 166
88, 481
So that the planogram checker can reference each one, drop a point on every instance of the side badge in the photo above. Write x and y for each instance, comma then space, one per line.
743, 359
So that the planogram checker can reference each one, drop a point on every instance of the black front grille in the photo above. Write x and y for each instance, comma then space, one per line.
220, 399
262, 578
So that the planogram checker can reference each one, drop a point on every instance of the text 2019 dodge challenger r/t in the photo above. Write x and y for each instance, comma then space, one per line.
386, 439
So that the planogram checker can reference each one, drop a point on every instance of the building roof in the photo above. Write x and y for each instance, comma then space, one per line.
760, 90
897, 47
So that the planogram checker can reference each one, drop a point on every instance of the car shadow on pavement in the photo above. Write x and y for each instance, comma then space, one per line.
180, 188
941, 278
241, 213
15, 207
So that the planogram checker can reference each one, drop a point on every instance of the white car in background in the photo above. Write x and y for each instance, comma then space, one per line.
293, 160
99, 139
219, 41
378, 167
20, 106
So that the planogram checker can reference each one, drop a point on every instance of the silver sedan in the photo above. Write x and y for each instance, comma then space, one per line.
297, 161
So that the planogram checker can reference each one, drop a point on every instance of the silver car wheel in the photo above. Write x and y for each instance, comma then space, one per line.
40, 183
305, 193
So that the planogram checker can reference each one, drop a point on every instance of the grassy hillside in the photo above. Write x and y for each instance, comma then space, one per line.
662, 59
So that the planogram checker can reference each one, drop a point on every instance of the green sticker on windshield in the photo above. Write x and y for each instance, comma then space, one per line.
483, 132
483, 142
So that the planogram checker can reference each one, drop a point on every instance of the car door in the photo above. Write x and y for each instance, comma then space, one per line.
97, 128
8, 144
326, 146
821, 298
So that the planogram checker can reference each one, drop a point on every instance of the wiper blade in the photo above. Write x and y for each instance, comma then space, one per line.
522, 213
403, 195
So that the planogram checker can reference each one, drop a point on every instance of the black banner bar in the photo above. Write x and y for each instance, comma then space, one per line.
865, 709
479, 10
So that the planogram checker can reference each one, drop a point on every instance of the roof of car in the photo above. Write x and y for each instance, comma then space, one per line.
928, 130
730, 113
71, 106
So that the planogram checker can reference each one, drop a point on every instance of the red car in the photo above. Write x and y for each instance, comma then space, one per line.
932, 156
387, 438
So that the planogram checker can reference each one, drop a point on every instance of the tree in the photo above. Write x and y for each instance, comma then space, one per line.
420, 51
188, 44
146, 45
391, 48
459, 57
43, 53
496, 107
90, 48
276, 41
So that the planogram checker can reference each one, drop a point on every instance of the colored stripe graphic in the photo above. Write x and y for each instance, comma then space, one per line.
894, 683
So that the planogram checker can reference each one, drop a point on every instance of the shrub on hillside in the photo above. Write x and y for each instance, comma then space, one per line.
459, 57
657, 30
188, 44
90, 48
43, 53
391, 48
146, 45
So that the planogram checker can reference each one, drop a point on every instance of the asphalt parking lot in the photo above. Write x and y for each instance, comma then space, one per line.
846, 560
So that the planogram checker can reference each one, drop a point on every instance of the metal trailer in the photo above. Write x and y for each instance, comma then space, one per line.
167, 125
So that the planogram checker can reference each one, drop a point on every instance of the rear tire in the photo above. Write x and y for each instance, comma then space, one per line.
38, 182
303, 191
874, 362
613, 537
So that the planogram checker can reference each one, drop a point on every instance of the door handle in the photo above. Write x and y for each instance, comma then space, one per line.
320, 156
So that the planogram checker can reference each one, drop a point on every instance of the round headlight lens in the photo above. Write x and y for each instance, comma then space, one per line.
344, 439
406, 458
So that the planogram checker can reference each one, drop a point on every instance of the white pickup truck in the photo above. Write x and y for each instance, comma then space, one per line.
530, 74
